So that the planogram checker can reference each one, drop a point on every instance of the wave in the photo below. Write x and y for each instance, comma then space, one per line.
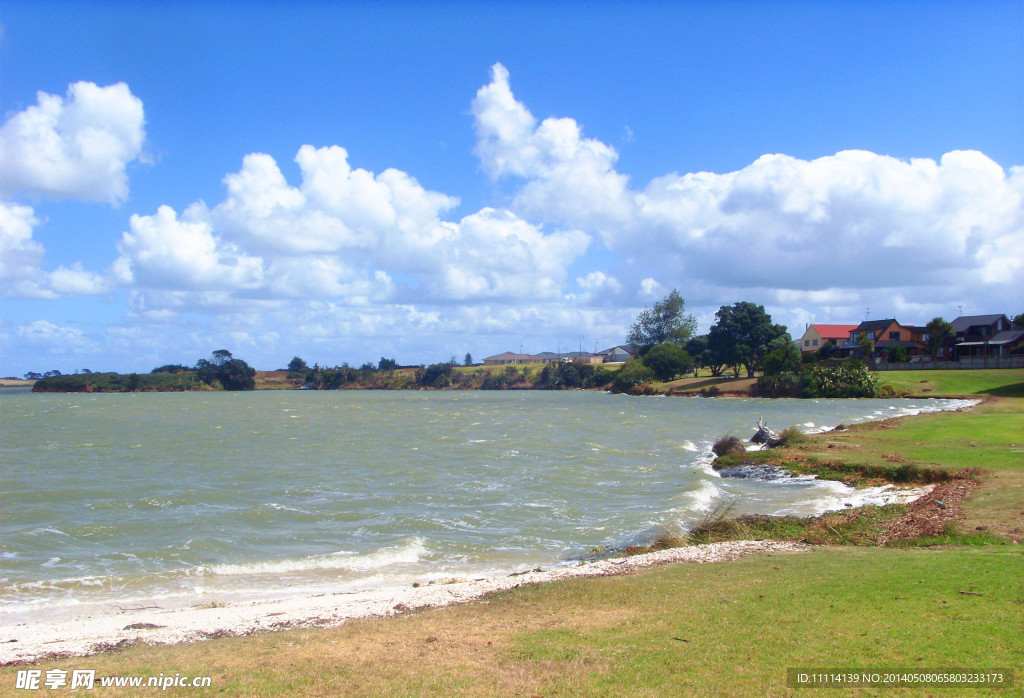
409, 551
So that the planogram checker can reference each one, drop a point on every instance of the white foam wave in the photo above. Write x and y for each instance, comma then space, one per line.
689, 446
840, 497
410, 550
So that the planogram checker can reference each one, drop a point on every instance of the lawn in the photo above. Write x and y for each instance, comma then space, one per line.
996, 382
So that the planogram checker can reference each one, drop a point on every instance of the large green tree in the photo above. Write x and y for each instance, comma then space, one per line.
231, 373
783, 357
743, 333
668, 360
667, 321
939, 332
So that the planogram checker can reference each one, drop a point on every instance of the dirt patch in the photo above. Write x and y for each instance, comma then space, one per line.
932, 513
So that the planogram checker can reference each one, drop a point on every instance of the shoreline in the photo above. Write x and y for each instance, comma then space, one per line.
95, 632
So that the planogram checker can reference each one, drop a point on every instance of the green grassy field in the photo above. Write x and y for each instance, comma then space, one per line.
995, 382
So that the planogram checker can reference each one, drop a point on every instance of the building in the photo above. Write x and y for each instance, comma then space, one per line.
618, 354
975, 328
885, 335
816, 335
510, 357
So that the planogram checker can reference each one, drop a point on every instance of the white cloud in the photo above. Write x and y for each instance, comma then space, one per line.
571, 180
342, 233
44, 337
853, 220
76, 147
21, 257
163, 251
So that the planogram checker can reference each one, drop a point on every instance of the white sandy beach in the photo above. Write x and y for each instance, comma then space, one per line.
97, 629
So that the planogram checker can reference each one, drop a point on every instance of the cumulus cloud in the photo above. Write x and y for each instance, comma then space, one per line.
846, 220
74, 147
846, 223
569, 179
342, 232
165, 251
21, 275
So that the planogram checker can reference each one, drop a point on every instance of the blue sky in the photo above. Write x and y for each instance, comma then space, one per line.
420, 180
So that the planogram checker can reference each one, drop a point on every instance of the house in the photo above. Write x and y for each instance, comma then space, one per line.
815, 336
548, 357
1002, 343
509, 357
885, 335
619, 354
585, 357
975, 328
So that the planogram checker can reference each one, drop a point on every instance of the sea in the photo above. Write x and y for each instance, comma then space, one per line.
178, 499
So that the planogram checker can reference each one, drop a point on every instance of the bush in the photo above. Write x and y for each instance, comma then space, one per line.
632, 375
728, 444
790, 436
667, 360
436, 376
849, 379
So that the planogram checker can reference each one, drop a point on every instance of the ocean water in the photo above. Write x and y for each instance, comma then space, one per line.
182, 498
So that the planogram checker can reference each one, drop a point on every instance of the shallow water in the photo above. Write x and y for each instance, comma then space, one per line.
157, 498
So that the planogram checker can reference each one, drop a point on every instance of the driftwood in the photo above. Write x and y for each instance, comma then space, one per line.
764, 435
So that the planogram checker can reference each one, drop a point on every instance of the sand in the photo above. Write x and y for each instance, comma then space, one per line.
102, 628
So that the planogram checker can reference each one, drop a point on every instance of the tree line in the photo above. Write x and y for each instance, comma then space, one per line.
743, 336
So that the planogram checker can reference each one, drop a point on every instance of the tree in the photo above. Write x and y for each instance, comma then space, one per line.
436, 375
468, 361
897, 355
783, 358
827, 350
632, 375
297, 365
939, 332
742, 334
1018, 321
667, 321
387, 364
867, 345
667, 360
231, 373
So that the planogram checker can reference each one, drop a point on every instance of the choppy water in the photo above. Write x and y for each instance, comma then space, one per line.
158, 498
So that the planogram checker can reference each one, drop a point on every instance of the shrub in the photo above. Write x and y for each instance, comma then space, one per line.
790, 436
436, 376
667, 360
728, 444
848, 379
632, 375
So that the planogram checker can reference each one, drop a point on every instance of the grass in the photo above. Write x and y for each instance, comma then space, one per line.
931, 383
716, 629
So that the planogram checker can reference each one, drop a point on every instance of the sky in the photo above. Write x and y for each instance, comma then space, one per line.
420, 180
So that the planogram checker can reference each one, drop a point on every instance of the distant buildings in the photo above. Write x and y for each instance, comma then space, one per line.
975, 335
616, 354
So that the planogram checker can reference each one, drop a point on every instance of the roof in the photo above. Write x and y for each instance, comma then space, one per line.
547, 355
1004, 337
628, 348
965, 322
508, 355
829, 331
875, 325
